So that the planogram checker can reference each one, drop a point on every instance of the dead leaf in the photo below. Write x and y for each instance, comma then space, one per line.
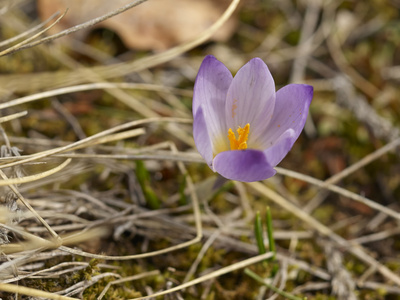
155, 24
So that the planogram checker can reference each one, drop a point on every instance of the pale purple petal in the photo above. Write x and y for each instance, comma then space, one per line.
243, 165
251, 98
201, 137
210, 89
291, 111
281, 147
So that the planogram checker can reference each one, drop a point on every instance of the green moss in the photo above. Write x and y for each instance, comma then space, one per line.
320, 296
355, 267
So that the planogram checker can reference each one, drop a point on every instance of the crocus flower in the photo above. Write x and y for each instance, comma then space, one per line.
242, 127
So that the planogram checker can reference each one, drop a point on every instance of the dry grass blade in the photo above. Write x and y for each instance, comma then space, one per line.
13, 116
13, 288
26, 179
114, 137
201, 254
154, 155
35, 243
56, 238
25, 42
93, 86
220, 272
92, 139
377, 236
28, 32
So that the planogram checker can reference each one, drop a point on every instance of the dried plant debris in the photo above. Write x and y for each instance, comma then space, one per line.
11, 212
104, 196
156, 25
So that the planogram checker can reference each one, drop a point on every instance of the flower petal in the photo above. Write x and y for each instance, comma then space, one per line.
291, 111
282, 146
251, 99
243, 165
201, 137
210, 88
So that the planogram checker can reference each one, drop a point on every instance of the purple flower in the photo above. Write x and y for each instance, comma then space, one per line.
242, 127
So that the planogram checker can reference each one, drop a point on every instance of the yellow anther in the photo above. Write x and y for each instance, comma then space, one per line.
241, 142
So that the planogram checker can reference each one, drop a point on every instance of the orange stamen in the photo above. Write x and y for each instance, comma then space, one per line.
241, 142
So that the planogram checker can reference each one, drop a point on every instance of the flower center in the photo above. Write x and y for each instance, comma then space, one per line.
239, 143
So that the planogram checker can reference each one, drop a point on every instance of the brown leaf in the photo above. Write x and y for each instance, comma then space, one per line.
156, 24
